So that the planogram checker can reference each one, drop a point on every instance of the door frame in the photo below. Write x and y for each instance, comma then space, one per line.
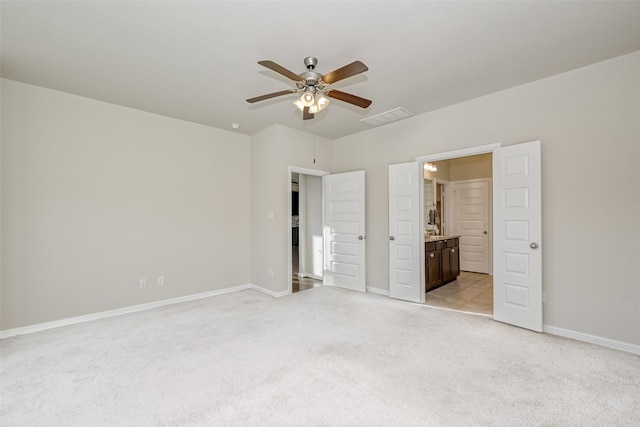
302, 171
446, 155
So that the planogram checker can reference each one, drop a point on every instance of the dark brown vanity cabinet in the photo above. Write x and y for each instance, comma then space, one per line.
450, 261
442, 262
433, 269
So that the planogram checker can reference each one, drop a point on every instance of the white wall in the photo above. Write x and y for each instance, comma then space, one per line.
96, 196
588, 122
272, 151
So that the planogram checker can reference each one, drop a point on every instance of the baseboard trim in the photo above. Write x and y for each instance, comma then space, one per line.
592, 339
378, 291
117, 312
553, 330
275, 294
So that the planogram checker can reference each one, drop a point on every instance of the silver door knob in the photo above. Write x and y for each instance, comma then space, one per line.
360, 238
392, 238
534, 245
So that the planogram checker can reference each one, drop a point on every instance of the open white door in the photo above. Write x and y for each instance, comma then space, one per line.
404, 233
471, 222
517, 281
344, 230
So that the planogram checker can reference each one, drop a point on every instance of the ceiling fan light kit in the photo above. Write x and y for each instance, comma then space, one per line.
307, 99
315, 87
314, 103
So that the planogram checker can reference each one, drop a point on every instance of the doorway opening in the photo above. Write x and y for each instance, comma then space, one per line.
515, 235
458, 233
306, 248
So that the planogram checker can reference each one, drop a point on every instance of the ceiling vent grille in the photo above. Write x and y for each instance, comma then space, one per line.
387, 117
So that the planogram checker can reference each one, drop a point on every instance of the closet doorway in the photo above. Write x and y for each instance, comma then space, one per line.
307, 245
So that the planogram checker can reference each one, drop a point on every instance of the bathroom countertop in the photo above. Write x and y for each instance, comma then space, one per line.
437, 238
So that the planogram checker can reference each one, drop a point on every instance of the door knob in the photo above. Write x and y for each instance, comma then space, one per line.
360, 238
485, 232
533, 245
392, 238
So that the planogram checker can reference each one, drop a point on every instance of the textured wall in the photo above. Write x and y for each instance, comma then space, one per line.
272, 151
96, 196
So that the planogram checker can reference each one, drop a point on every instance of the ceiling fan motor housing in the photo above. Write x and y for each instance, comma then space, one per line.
311, 78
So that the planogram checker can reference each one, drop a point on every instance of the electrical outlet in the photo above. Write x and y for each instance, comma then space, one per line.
160, 281
142, 283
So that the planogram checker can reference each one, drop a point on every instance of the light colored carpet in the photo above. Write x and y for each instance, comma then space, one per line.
325, 357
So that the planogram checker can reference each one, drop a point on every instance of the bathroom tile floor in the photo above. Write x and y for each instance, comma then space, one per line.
471, 292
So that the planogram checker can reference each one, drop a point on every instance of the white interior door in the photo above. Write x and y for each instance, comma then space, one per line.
471, 212
404, 233
344, 230
517, 280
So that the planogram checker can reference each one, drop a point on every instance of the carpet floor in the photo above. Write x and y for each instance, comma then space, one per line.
323, 357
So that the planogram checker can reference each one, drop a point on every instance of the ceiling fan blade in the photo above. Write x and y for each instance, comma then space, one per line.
352, 69
351, 99
306, 115
271, 95
281, 70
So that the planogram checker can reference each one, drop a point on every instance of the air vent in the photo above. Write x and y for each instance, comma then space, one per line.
387, 117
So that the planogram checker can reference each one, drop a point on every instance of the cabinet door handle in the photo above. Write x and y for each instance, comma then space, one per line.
392, 238
533, 245
453, 250
360, 238
431, 255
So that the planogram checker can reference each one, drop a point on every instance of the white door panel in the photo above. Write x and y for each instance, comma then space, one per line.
471, 212
517, 288
404, 233
344, 230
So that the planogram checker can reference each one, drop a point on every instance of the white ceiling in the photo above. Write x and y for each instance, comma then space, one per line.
197, 61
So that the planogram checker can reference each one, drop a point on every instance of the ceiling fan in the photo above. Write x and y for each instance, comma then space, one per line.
315, 87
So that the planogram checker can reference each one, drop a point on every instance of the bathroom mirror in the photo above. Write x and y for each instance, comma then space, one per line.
429, 205
433, 206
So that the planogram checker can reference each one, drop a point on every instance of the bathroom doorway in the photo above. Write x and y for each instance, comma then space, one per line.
516, 234
457, 205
